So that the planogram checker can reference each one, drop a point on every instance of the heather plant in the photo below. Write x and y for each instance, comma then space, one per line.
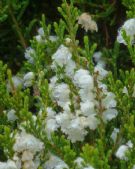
70, 106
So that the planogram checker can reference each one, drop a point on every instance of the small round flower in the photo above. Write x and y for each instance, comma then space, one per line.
87, 23
11, 115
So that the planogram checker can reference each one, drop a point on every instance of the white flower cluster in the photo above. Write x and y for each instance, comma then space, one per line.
41, 36
63, 59
8, 165
26, 150
55, 162
30, 53
75, 124
129, 28
26, 81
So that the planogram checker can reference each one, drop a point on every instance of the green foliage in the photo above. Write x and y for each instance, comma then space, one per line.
6, 142
130, 5
97, 158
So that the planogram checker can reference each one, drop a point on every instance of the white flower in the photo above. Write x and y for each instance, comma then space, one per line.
87, 23
11, 115
97, 56
87, 108
98, 59
60, 93
53, 38
50, 112
55, 162
17, 82
72, 126
86, 94
109, 101
30, 54
26, 141
41, 31
103, 87
114, 134
125, 90
63, 119
133, 167
75, 130
70, 67
61, 56
121, 152
41, 35
79, 161
129, 27
68, 41
28, 76
102, 73
53, 82
51, 126
109, 114
92, 122
17, 160
28, 79
82, 79
39, 38
8, 165
129, 144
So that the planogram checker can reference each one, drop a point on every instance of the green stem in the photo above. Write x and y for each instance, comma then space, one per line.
20, 35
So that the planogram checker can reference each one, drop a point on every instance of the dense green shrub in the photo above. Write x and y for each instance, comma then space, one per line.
71, 103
